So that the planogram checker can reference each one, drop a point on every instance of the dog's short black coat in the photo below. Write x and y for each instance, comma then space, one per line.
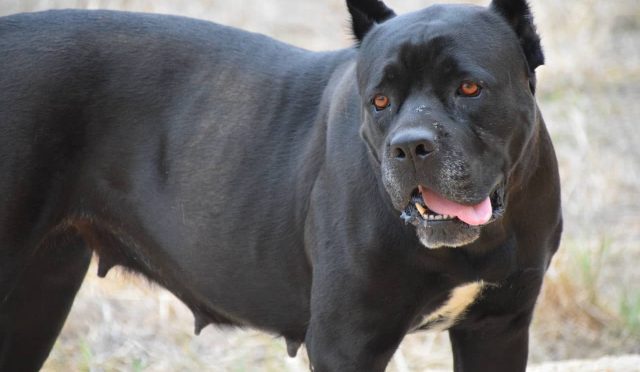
261, 185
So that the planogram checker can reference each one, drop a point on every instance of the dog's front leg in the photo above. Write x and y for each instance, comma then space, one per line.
495, 337
343, 335
500, 344
354, 326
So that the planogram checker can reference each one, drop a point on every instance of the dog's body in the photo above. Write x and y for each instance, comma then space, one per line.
255, 181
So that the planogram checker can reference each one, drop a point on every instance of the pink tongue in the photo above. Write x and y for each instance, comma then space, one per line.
473, 215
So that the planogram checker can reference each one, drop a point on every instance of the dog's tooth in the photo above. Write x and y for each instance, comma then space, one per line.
421, 209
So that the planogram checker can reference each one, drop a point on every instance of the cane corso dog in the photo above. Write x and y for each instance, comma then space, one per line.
338, 199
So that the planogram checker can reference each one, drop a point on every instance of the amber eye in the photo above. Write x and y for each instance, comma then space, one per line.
381, 102
469, 89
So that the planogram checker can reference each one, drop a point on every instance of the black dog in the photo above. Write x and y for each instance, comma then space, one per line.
338, 199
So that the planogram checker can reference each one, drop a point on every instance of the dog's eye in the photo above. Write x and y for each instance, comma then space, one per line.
381, 102
469, 89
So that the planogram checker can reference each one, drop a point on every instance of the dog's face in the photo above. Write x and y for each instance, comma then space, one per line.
448, 109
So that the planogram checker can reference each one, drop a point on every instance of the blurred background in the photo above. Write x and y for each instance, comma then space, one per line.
589, 93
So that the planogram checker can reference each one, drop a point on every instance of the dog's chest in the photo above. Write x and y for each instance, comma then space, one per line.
453, 309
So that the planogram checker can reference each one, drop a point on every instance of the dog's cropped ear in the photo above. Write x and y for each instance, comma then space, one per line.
518, 14
366, 13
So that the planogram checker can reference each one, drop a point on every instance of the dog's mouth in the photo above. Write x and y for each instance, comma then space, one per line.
428, 209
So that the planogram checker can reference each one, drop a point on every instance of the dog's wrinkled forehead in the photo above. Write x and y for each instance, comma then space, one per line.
462, 39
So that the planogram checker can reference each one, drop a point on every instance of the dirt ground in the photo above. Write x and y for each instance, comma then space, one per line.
588, 316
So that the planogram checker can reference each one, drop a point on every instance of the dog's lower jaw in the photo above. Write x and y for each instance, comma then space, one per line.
442, 238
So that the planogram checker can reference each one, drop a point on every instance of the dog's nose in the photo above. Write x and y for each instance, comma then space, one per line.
416, 143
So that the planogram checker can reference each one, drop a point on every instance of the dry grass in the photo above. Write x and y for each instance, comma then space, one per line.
589, 94
590, 306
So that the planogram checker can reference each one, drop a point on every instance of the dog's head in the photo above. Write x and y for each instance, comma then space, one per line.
448, 101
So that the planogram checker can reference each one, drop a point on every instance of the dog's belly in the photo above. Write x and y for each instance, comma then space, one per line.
453, 309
